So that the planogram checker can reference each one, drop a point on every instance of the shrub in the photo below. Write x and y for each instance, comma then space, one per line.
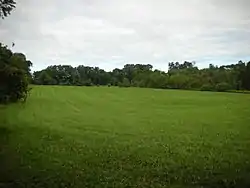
125, 83
207, 87
14, 76
221, 87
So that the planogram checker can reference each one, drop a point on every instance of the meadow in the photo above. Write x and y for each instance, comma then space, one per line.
125, 137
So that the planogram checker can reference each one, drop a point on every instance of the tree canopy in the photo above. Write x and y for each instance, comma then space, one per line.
14, 67
6, 6
179, 76
14, 75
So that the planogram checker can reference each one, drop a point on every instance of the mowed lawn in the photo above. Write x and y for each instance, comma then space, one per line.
125, 137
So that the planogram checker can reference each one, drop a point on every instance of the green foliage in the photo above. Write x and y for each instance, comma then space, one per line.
14, 75
46, 79
207, 87
246, 77
114, 137
124, 83
6, 6
14, 68
178, 81
221, 87
179, 76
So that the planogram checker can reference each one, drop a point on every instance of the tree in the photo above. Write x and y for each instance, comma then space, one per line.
246, 77
178, 81
117, 76
221, 87
124, 83
45, 79
179, 76
14, 68
157, 79
207, 87
129, 71
14, 75
6, 6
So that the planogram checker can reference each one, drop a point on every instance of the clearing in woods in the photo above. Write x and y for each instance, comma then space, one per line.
125, 137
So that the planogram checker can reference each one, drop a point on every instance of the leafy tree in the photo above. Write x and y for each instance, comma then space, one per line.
178, 81
117, 76
129, 72
124, 83
207, 87
157, 79
14, 68
221, 87
46, 79
6, 6
246, 77
14, 75
179, 76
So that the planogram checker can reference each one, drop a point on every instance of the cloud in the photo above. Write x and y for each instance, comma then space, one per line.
111, 33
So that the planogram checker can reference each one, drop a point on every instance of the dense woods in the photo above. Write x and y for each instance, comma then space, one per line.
179, 76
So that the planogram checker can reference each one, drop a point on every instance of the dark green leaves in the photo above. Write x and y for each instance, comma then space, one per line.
179, 76
14, 75
6, 6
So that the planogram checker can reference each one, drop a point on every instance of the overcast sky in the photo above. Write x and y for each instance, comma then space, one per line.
111, 33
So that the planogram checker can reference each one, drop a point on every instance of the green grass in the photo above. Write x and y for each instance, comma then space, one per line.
125, 137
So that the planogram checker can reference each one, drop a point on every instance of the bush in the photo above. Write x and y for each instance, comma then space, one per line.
15, 88
221, 87
207, 87
88, 83
14, 76
125, 83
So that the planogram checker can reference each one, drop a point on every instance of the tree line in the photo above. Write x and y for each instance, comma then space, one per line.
179, 76
15, 74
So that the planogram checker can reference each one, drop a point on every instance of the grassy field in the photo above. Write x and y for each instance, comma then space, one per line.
125, 137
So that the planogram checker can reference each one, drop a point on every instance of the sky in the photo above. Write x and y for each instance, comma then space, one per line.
111, 33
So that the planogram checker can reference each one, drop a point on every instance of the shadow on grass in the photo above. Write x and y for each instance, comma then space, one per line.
4, 137
19, 169
5, 161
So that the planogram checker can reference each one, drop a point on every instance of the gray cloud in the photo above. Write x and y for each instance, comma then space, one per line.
113, 32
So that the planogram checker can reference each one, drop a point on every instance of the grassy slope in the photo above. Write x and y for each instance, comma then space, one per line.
113, 137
